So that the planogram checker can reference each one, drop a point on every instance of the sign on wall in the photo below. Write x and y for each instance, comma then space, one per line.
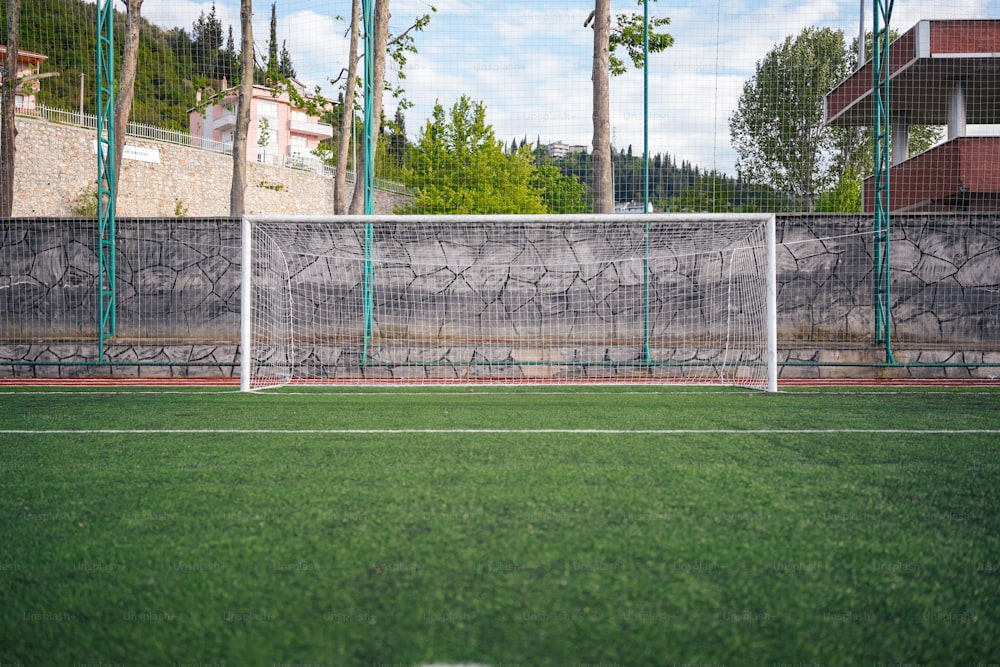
136, 153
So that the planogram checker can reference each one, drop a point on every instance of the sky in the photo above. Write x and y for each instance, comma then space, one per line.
529, 61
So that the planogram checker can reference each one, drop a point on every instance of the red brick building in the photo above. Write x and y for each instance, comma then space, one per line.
941, 73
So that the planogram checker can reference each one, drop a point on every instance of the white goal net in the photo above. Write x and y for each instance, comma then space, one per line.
656, 298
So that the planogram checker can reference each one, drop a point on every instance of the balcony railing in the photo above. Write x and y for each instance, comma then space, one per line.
321, 130
224, 122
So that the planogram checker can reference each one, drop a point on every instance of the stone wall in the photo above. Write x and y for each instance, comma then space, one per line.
945, 276
944, 295
56, 167
178, 292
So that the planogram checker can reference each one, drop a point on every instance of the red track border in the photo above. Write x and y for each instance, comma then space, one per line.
119, 382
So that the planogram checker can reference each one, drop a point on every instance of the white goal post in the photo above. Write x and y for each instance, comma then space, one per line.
509, 299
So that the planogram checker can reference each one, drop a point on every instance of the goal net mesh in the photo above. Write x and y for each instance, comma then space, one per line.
501, 299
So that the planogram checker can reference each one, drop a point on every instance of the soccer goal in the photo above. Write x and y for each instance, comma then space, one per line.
501, 299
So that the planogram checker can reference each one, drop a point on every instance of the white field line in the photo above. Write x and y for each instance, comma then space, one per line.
498, 431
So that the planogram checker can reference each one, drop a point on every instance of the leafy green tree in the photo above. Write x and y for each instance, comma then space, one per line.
66, 31
179, 42
778, 131
273, 64
384, 45
710, 193
844, 196
206, 49
777, 128
237, 191
279, 64
229, 61
560, 193
8, 129
459, 166
397, 144
126, 80
286, 67
628, 34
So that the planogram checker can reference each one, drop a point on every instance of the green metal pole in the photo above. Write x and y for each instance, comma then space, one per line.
106, 195
881, 71
647, 356
368, 11
368, 277
645, 106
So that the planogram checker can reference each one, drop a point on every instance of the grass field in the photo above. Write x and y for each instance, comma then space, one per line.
571, 526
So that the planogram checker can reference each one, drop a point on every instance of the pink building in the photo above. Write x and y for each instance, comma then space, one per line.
279, 133
28, 63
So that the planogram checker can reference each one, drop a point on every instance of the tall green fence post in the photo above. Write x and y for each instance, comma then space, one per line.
105, 174
367, 182
881, 71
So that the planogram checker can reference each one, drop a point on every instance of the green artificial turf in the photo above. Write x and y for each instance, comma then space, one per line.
209, 527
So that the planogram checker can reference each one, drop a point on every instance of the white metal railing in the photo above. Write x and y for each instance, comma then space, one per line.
310, 163
142, 131
212, 145
138, 130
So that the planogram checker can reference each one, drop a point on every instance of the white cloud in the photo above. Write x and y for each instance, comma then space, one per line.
905, 14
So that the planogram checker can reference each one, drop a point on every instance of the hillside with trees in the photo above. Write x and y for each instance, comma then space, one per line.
172, 64
675, 186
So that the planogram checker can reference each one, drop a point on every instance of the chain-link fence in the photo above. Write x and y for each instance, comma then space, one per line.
517, 107
499, 107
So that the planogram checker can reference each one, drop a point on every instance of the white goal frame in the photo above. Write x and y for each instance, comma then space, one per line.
766, 220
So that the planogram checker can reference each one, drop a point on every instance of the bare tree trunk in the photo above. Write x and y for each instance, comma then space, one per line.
347, 118
381, 33
604, 196
238, 193
8, 131
126, 85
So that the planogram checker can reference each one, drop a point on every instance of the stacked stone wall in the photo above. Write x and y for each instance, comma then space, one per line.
178, 294
944, 296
